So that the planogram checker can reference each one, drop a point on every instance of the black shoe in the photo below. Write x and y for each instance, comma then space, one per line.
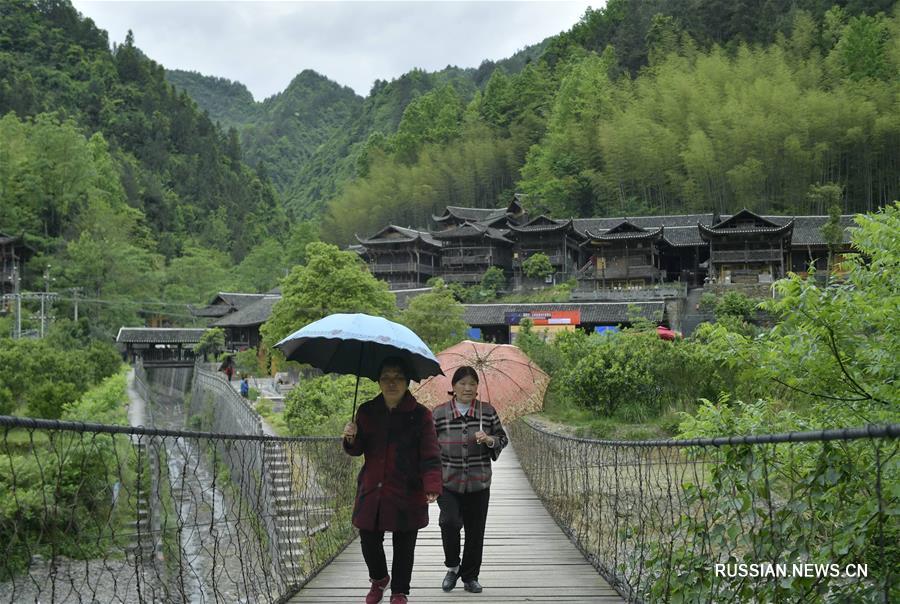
473, 586
449, 580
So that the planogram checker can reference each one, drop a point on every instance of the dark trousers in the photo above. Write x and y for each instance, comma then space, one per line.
469, 511
402, 564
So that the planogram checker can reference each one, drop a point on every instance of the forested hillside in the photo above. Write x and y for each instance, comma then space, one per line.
644, 106
285, 131
653, 108
119, 182
310, 136
226, 102
131, 192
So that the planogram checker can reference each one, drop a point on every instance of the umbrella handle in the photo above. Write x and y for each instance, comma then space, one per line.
358, 370
353, 414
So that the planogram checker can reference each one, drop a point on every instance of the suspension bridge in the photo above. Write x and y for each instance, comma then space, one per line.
206, 506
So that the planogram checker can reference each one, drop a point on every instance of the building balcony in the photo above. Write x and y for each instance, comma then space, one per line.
724, 256
622, 272
465, 260
383, 268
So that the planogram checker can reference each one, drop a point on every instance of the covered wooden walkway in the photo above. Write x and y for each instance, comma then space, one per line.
527, 558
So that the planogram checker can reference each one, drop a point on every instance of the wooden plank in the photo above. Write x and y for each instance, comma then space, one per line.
526, 557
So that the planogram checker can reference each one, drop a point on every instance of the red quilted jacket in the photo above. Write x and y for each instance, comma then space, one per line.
402, 463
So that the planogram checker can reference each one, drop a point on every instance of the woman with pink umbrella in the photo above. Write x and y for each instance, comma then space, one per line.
471, 437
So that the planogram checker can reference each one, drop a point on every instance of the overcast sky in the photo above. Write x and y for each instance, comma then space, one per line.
265, 44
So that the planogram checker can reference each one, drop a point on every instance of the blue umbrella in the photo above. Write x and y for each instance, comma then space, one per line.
357, 344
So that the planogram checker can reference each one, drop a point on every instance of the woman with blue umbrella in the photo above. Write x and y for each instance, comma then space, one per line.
395, 434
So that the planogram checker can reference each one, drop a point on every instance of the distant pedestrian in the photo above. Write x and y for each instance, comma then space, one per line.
245, 388
229, 371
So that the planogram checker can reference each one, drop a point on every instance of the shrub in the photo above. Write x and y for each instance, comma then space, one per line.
321, 406
736, 304
708, 302
537, 266
246, 362
493, 280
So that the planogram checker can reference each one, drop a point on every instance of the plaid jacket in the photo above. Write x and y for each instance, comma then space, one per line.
467, 465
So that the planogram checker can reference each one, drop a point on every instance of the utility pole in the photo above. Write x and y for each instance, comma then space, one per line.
16, 299
18, 294
75, 292
46, 298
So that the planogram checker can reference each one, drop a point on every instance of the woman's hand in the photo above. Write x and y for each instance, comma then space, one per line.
431, 497
483, 439
349, 432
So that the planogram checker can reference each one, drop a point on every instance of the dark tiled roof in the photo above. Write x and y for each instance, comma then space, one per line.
775, 220
582, 225
226, 302
683, 236
471, 229
406, 235
808, 230
678, 220
158, 335
746, 215
476, 214
495, 221
716, 231
597, 225
254, 314
609, 313
543, 224
237, 300
214, 310
641, 234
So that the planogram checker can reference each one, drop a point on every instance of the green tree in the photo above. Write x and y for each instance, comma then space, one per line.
537, 266
840, 342
436, 317
197, 275
331, 281
212, 342
493, 280
433, 117
263, 267
833, 232
862, 51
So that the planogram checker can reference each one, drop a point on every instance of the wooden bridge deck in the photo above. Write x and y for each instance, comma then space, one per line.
527, 558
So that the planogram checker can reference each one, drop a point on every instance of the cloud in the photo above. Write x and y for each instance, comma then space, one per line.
265, 44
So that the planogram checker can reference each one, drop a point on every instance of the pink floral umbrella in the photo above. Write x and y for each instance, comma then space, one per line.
508, 379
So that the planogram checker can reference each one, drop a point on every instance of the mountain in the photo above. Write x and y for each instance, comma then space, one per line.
309, 136
116, 179
226, 102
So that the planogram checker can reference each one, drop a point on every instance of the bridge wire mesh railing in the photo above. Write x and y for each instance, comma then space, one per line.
800, 517
99, 513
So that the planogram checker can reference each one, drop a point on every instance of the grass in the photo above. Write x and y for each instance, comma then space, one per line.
273, 418
564, 416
